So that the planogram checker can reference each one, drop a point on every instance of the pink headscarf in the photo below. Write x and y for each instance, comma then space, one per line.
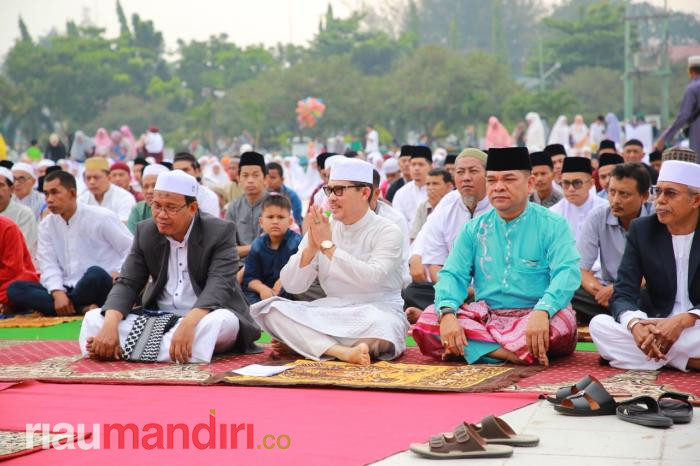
102, 139
129, 142
497, 135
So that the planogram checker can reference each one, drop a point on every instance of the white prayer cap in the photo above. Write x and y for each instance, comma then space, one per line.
43, 163
352, 170
7, 174
686, 173
245, 148
23, 167
391, 166
154, 169
332, 160
693, 61
177, 182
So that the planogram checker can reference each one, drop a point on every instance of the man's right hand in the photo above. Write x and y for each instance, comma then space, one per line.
105, 345
452, 335
62, 303
417, 270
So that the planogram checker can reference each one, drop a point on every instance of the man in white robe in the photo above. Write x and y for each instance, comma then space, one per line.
207, 199
24, 193
576, 181
357, 258
413, 193
658, 325
18, 213
101, 192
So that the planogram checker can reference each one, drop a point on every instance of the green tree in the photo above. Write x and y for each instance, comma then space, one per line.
24, 32
123, 23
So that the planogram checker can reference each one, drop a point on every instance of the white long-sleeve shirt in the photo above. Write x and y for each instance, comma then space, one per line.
92, 236
118, 200
208, 201
408, 198
575, 215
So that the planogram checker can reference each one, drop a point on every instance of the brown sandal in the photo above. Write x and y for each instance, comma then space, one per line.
464, 442
497, 431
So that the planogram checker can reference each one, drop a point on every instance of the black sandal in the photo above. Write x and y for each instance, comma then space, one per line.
565, 392
676, 406
594, 400
643, 410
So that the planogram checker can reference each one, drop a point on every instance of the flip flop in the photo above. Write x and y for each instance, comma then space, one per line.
594, 400
565, 392
464, 442
643, 410
497, 431
676, 406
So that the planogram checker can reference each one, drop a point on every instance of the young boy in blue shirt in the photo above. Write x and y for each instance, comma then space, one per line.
271, 251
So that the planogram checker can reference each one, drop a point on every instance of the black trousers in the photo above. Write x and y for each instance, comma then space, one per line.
420, 295
586, 306
92, 288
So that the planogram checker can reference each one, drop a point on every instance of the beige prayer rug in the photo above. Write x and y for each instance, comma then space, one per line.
34, 320
390, 376
15, 443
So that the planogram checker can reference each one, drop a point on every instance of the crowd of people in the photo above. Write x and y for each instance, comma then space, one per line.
487, 255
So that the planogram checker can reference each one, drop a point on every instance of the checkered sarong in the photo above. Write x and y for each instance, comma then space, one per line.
145, 337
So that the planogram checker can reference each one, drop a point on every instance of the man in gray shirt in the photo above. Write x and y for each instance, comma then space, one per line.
246, 210
689, 113
604, 236
544, 193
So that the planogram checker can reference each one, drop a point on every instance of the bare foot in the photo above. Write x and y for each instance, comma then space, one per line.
693, 364
282, 350
413, 314
358, 354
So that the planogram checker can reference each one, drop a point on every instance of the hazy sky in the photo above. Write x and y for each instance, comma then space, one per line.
245, 21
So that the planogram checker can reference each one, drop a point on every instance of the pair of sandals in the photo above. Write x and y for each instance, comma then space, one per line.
493, 438
588, 397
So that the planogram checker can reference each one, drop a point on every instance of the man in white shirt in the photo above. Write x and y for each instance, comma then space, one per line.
577, 181
357, 259
410, 196
81, 249
658, 325
101, 192
434, 242
18, 213
372, 141
183, 264
207, 199
24, 192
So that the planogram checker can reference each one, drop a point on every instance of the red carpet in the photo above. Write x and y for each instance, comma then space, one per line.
568, 370
328, 427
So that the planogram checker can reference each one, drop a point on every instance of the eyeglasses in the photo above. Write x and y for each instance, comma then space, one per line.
22, 179
669, 193
566, 184
339, 190
170, 210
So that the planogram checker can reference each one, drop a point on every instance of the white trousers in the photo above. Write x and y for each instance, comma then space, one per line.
311, 343
616, 344
215, 333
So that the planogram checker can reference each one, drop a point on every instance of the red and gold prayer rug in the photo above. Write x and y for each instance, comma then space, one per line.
620, 383
14, 443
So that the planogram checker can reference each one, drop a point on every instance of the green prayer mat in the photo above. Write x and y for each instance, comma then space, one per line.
64, 331
586, 346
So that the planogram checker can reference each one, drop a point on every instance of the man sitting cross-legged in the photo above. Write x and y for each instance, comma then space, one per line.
524, 265
357, 259
192, 307
658, 325
81, 248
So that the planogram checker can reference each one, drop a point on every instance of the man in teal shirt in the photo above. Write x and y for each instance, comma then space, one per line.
142, 210
523, 264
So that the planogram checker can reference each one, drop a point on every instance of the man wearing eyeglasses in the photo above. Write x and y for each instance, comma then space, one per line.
603, 236
17, 212
24, 188
657, 325
576, 182
358, 260
192, 304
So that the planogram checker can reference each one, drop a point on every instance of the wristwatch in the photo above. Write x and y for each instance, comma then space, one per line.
632, 323
445, 310
326, 245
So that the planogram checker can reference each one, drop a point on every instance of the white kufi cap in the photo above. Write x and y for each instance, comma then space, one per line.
686, 173
352, 170
154, 169
177, 182
23, 167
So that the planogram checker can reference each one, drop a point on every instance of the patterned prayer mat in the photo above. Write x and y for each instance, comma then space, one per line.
19, 443
35, 319
583, 334
389, 375
620, 383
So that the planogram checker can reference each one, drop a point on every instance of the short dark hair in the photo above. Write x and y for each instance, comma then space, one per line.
446, 177
634, 142
186, 156
189, 200
636, 171
275, 166
376, 179
695, 69
9, 182
277, 200
64, 178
